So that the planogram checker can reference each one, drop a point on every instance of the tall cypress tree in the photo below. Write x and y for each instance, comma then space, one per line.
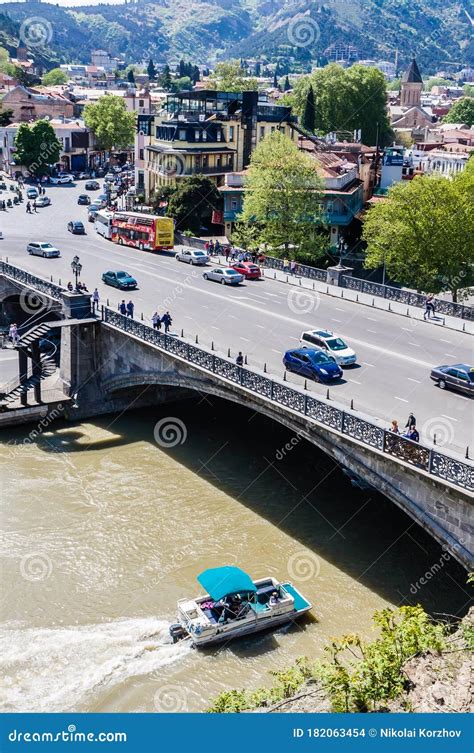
308, 119
275, 81
287, 84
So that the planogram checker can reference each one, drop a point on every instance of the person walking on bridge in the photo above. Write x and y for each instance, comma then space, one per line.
411, 422
156, 321
240, 359
130, 308
123, 308
166, 320
95, 299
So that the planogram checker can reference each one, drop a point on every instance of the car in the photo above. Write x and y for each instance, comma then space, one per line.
61, 179
249, 270
83, 198
43, 249
225, 275
83, 175
121, 280
313, 364
91, 185
192, 256
42, 201
92, 211
109, 177
103, 198
322, 339
32, 193
76, 228
458, 377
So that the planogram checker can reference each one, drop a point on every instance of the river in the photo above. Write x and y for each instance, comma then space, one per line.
107, 523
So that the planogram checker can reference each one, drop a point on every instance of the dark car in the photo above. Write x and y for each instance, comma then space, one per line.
313, 364
84, 199
91, 185
249, 270
121, 280
458, 377
77, 228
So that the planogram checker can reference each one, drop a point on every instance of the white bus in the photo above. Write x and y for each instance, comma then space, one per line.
103, 223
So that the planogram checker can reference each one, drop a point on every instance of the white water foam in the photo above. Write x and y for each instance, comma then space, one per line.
60, 669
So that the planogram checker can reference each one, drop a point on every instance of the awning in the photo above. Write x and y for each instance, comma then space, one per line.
221, 581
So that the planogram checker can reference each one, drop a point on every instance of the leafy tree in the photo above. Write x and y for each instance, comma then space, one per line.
308, 118
5, 65
131, 76
468, 90
181, 84
54, 77
151, 70
461, 112
37, 147
6, 117
229, 77
283, 197
347, 99
436, 81
195, 74
165, 78
275, 81
112, 125
423, 233
192, 202
286, 85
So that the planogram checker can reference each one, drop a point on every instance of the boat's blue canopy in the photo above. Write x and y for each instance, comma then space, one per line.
221, 581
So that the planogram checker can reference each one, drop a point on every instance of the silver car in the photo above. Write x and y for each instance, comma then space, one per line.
42, 201
224, 275
192, 256
43, 249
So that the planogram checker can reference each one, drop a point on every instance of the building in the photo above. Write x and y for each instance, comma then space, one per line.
209, 133
409, 113
33, 104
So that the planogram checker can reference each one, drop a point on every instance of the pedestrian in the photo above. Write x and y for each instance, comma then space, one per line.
412, 434
217, 248
411, 422
293, 267
206, 247
166, 320
156, 321
95, 299
13, 334
226, 253
240, 359
70, 286
35, 208
28, 207
123, 308
211, 248
429, 306
394, 428
130, 308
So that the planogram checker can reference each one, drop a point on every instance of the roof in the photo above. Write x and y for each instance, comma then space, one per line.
222, 581
412, 75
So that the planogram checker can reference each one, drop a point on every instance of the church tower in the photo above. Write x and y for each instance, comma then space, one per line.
412, 86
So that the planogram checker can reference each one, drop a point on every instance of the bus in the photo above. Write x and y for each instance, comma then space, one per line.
144, 231
103, 223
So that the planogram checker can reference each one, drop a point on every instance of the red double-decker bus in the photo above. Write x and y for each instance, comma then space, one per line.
147, 232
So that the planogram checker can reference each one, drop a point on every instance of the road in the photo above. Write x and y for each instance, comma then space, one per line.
263, 319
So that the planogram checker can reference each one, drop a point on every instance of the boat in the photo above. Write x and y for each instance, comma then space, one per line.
235, 605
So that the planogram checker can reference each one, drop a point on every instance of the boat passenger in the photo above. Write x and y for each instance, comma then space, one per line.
273, 599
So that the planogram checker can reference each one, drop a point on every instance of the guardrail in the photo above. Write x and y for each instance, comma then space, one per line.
37, 283
323, 412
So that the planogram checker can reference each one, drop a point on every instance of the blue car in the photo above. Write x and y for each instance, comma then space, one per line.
121, 280
313, 364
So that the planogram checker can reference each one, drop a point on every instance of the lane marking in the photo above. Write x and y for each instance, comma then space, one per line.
401, 398
339, 321
415, 345
451, 355
245, 338
276, 351
371, 319
368, 364
410, 379
451, 418
374, 332
353, 380
338, 309
441, 339
260, 326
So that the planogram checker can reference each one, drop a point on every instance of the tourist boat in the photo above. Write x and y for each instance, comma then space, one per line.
235, 605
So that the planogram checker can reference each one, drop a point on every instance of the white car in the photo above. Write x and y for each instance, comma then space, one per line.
43, 249
322, 339
192, 256
60, 179
224, 275
42, 201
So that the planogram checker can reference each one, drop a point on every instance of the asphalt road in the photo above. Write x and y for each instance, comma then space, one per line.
263, 319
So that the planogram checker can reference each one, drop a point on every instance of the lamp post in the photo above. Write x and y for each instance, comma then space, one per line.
76, 267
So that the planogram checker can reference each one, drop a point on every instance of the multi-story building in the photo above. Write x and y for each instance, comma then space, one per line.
209, 133
32, 104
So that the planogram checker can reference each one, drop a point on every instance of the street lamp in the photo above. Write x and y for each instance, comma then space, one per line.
76, 267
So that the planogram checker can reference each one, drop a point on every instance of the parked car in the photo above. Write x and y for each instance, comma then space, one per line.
61, 179
322, 339
91, 185
458, 377
192, 256
42, 201
249, 270
110, 177
42, 249
83, 175
83, 198
76, 227
313, 364
121, 280
31, 193
225, 275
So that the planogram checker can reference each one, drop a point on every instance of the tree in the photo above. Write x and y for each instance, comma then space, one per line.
308, 118
283, 198
131, 76
192, 202
151, 70
275, 81
229, 77
112, 125
5, 65
423, 233
54, 77
436, 81
461, 112
181, 84
165, 78
195, 74
468, 90
37, 147
347, 99
286, 85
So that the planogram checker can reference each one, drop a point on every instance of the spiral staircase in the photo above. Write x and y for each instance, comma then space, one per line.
12, 391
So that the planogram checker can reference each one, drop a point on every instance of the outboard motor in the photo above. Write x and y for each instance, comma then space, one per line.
177, 632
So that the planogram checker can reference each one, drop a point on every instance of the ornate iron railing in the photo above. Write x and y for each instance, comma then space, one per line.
323, 412
303, 270
36, 283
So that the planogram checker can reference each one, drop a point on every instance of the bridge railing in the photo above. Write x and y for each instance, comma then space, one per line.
345, 422
36, 283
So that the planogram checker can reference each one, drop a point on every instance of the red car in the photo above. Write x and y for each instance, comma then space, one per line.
248, 269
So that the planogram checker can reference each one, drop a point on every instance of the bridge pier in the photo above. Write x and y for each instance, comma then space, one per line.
23, 373
36, 368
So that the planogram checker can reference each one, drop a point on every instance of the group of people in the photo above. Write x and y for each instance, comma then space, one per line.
410, 431
164, 320
232, 254
80, 288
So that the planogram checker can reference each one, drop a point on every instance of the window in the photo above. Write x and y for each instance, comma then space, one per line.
282, 130
219, 136
182, 134
233, 204
262, 132
141, 102
272, 129
231, 133
141, 154
196, 134
204, 135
